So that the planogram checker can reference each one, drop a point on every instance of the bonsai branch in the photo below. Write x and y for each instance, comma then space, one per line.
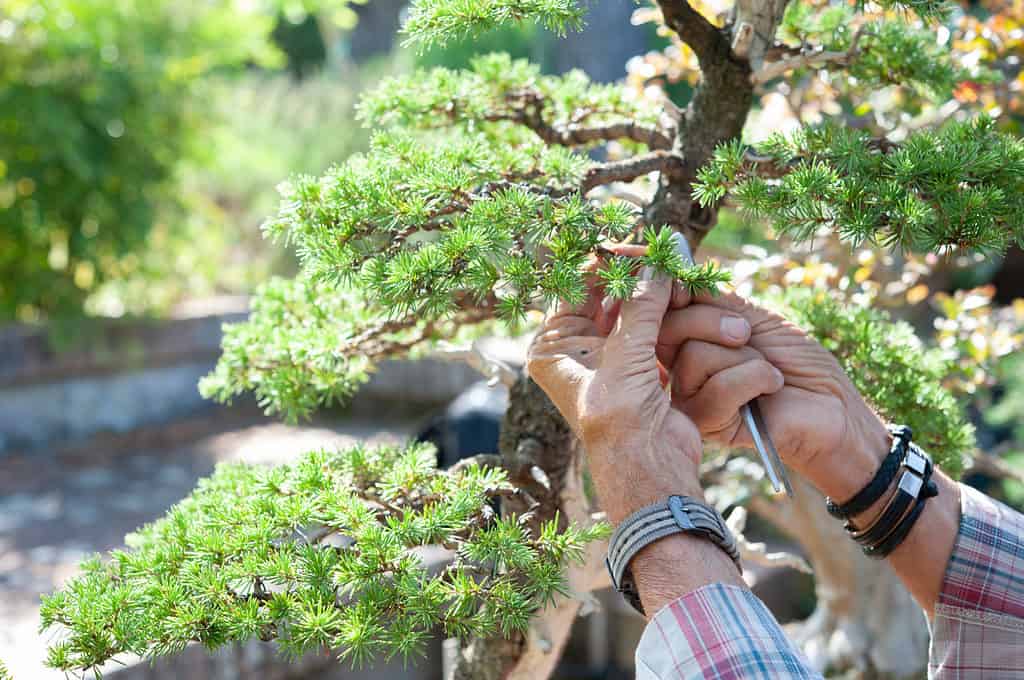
631, 168
757, 553
527, 107
803, 59
495, 370
704, 38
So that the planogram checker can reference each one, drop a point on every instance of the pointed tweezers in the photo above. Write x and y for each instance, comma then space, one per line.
751, 413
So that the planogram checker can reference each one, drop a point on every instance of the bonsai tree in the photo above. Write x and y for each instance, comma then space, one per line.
485, 194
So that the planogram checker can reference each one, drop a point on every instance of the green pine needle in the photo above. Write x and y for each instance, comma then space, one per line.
436, 22
245, 556
961, 186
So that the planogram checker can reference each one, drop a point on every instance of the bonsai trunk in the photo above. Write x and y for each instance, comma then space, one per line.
545, 459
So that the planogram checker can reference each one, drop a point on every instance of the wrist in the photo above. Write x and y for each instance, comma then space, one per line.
677, 565
630, 474
849, 468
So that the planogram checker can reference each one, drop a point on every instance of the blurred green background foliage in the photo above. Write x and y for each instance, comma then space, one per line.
141, 140
130, 131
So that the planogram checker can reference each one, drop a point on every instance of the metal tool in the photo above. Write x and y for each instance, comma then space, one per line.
751, 413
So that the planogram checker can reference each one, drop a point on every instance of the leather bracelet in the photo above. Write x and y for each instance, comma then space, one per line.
901, 532
882, 480
677, 514
916, 468
894, 537
902, 501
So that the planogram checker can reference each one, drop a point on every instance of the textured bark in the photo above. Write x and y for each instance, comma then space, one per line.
719, 106
865, 624
533, 435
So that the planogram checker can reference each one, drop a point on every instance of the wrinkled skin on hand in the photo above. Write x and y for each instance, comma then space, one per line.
598, 365
816, 414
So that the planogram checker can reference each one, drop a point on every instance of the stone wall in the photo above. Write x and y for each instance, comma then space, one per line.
260, 661
124, 375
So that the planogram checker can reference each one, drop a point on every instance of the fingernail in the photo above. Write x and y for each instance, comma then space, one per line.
781, 379
647, 274
735, 328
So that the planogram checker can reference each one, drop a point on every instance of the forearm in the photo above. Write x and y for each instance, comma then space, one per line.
677, 565
920, 561
673, 566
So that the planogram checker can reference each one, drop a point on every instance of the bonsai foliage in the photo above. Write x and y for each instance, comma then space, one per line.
319, 554
469, 206
959, 186
485, 195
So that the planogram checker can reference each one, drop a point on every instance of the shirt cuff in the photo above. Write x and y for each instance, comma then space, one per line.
718, 631
986, 570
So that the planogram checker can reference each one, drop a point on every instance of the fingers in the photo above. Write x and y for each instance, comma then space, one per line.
700, 322
697, 361
738, 305
715, 407
590, 308
680, 294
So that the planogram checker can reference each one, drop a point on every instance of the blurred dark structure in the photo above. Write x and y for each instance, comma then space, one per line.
302, 44
469, 424
1009, 280
601, 49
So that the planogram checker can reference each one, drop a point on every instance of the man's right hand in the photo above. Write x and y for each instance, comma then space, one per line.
820, 424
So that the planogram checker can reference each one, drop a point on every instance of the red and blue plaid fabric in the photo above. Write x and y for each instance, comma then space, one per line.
978, 630
725, 632
718, 631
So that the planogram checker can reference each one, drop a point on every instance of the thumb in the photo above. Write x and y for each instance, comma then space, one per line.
635, 335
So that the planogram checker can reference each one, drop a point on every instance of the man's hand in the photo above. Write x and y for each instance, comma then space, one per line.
608, 385
599, 368
818, 420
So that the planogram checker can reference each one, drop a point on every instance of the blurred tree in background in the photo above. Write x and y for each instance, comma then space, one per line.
107, 112
98, 106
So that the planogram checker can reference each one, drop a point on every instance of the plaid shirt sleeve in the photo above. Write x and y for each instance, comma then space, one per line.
718, 631
726, 632
978, 629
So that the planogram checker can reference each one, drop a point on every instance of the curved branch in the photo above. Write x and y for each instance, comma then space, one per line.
703, 37
820, 58
631, 168
652, 137
528, 105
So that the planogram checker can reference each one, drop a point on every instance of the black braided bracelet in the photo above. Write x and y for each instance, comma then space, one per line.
883, 478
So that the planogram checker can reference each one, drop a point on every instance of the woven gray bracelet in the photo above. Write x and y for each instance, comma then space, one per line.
677, 514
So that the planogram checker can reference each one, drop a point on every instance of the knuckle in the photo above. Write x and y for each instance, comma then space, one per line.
693, 351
